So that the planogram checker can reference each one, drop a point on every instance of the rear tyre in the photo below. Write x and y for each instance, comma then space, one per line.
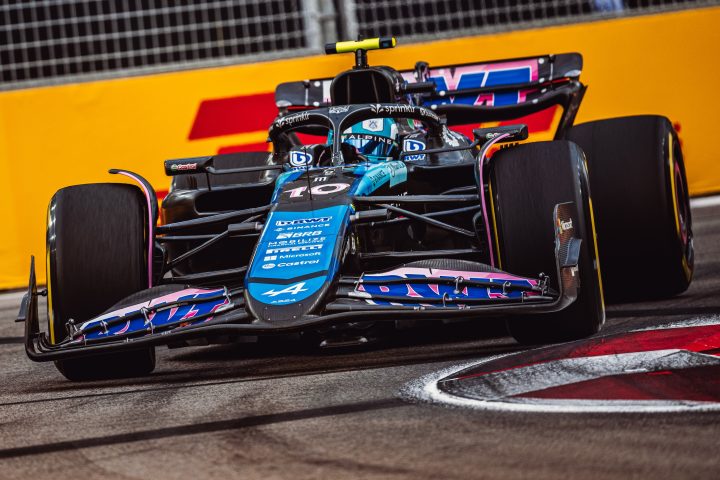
96, 256
637, 176
526, 182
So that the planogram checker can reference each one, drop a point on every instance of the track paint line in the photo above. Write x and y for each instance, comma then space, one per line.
693, 322
703, 202
520, 381
426, 389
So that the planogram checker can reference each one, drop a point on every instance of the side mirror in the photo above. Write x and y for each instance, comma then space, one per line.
182, 166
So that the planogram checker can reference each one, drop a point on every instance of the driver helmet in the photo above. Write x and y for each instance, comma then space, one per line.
375, 138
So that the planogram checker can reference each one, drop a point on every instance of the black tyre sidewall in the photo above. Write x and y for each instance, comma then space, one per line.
637, 195
97, 255
527, 182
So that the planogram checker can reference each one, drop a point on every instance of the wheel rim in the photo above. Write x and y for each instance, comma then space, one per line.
681, 206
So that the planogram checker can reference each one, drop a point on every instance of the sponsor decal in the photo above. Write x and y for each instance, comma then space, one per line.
411, 145
300, 159
398, 172
302, 221
565, 226
292, 119
299, 248
298, 263
298, 234
303, 227
379, 174
298, 255
268, 266
197, 305
339, 109
373, 125
376, 177
307, 248
183, 166
296, 241
450, 80
398, 109
377, 289
368, 137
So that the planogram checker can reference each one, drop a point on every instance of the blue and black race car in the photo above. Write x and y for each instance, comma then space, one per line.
392, 216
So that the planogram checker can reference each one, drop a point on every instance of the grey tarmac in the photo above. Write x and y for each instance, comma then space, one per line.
284, 410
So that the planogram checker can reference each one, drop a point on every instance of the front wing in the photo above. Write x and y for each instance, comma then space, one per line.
400, 294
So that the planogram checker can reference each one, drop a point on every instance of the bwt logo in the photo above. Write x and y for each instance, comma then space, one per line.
300, 159
410, 145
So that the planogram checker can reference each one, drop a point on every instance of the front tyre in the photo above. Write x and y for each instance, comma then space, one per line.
526, 182
96, 255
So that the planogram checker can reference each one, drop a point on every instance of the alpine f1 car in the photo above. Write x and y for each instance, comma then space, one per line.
388, 218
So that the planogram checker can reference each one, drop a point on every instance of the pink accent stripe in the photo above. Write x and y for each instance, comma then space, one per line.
438, 272
171, 297
481, 162
150, 223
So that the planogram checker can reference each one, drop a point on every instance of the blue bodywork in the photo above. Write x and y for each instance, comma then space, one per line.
299, 251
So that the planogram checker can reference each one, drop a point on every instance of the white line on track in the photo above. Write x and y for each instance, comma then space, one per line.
702, 202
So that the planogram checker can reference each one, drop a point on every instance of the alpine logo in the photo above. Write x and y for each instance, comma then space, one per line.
291, 290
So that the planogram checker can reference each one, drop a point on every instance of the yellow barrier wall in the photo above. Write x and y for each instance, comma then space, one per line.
57, 136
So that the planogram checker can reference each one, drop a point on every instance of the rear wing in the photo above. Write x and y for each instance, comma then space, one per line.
474, 92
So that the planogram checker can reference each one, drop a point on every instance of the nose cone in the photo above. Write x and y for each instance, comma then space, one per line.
295, 261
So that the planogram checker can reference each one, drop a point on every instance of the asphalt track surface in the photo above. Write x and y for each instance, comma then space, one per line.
286, 411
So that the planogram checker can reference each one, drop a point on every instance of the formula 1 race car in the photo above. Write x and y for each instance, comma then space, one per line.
389, 217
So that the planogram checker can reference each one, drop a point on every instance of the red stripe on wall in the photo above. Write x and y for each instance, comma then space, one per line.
233, 115
248, 147
537, 122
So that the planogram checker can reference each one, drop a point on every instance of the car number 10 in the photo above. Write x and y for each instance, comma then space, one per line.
324, 189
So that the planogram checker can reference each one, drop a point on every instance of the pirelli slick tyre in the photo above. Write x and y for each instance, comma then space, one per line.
637, 176
526, 182
96, 255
